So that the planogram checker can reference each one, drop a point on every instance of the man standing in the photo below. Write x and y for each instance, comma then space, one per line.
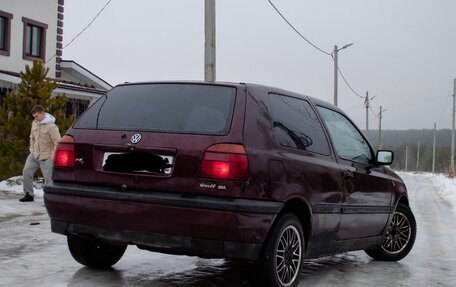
44, 136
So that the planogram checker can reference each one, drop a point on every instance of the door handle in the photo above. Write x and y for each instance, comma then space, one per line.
348, 175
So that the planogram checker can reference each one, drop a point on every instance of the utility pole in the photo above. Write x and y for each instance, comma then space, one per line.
406, 156
336, 69
433, 151
209, 43
380, 127
335, 74
367, 104
452, 131
418, 156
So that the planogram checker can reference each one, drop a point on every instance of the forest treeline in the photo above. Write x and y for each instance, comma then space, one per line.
399, 140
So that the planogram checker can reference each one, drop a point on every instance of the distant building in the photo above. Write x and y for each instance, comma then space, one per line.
33, 30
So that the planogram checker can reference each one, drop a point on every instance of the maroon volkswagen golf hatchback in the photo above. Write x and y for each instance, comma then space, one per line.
224, 170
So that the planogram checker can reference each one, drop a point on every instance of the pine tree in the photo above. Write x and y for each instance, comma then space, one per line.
15, 117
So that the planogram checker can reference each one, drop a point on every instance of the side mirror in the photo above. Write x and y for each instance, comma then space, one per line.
385, 157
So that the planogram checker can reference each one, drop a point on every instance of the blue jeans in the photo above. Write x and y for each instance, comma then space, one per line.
31, 166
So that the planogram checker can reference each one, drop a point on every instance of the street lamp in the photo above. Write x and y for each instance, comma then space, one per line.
336, 69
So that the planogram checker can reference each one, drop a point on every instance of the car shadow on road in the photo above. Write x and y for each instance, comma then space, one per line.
339, 270
227, 274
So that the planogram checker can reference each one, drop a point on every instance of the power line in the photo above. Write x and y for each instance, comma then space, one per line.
292, 27
346, 82
82, 31
372, 110
313, 45
91, 22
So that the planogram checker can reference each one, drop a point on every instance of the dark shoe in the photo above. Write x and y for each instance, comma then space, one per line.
27, 197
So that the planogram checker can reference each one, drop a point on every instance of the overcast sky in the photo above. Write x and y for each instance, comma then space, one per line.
404, 52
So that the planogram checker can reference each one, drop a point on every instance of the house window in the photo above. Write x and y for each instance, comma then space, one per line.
5, 32
3, 23
75, 107
34, 39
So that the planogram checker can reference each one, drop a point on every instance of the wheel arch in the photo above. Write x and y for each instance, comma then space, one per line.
403, 200
301, 209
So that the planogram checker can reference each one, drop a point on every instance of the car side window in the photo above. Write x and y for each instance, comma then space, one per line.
348, 141
296, 124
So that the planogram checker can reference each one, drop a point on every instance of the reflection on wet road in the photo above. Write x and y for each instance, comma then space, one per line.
30, 255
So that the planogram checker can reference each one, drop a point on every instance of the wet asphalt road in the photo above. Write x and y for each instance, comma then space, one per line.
30, 255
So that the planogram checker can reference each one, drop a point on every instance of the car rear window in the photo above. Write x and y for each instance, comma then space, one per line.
174, 108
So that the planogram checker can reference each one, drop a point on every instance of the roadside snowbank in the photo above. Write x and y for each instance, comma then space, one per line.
11, 191
14, 185
446, 187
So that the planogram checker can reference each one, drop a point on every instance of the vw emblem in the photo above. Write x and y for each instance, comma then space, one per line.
136, 138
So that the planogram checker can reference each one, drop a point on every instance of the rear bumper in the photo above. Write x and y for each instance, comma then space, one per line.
165, 222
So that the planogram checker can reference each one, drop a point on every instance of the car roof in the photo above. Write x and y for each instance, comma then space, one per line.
249, 86
314, 100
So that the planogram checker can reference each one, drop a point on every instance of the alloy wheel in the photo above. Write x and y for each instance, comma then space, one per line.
288, 255
398, 235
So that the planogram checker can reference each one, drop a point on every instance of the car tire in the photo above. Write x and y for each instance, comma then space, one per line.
399, 238
280, 264
93, 252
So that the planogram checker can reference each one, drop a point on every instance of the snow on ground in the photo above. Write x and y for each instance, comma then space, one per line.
12, 189
28, 250
447, 187
14, 185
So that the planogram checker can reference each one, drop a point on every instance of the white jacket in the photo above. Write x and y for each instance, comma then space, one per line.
44, 137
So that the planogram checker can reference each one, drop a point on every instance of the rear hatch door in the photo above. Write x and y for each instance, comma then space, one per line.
153, 136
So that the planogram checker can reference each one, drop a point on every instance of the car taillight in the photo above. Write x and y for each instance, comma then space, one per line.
225, 161
64, 153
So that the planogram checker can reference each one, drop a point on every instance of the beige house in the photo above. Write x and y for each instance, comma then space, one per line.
33, 30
